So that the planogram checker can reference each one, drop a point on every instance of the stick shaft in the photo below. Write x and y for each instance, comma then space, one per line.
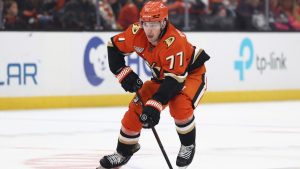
156, 136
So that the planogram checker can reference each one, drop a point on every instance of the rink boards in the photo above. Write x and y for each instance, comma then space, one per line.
62, 69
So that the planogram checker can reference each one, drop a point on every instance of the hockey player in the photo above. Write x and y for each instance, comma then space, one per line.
178, 82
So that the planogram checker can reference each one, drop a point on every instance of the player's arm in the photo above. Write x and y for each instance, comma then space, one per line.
175, 74
120, 45
170, 87
116, 59
117, 48
198, 60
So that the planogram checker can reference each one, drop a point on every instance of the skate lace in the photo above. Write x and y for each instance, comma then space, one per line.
186, 151
115, 158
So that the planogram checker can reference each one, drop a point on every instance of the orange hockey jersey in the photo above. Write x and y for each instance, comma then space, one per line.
172, 56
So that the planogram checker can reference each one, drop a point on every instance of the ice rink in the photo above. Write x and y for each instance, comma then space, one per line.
229, 136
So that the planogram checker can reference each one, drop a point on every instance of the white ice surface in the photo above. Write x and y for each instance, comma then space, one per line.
229, 136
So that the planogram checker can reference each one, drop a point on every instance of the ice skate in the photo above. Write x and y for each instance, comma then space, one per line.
116, 160
185, 156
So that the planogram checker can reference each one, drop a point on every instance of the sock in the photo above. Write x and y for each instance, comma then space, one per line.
187, 132
126, 144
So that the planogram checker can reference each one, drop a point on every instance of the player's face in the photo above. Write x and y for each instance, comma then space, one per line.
152, 31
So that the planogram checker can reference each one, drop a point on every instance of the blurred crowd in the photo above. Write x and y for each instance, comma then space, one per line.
107, 15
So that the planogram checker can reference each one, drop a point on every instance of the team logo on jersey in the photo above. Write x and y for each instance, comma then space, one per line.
170, 41
138, 49
135, 28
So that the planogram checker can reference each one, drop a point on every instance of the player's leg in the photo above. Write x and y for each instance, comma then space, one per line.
182, 112
182, 109
130, 131
127, 143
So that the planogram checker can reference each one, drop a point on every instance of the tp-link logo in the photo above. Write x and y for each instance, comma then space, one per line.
246, 58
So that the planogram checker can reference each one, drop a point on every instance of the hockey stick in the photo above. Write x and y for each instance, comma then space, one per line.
156, 135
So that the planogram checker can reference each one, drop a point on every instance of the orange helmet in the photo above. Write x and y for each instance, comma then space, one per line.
154, 10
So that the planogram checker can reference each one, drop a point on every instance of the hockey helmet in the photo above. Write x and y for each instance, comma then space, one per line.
153, 11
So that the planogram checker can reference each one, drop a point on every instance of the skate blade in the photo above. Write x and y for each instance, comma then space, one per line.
100, 167
182, 167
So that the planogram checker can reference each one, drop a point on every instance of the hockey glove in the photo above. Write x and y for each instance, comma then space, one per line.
151, 113
129, 80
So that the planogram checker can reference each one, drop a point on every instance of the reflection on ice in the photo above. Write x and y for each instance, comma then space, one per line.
229, 136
